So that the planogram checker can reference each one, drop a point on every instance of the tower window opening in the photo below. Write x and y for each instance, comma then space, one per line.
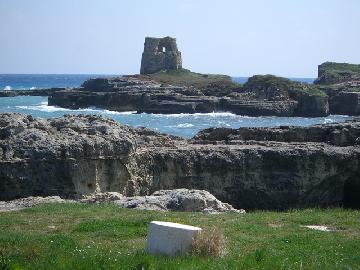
162, 49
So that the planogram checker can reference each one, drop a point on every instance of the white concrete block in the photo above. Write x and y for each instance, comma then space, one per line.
167, 238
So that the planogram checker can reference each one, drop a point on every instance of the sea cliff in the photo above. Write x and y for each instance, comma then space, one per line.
267, 168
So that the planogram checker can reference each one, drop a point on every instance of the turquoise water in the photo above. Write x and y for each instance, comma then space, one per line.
185, 125
33, 81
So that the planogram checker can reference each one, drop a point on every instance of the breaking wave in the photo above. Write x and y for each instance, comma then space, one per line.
44, 107
196, 115
185, 125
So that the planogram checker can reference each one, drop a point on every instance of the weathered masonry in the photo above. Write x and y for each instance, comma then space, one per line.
160, 54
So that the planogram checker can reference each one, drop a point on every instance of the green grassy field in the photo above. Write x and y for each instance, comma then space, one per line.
209, 84
72, 236
189, 78
340, 67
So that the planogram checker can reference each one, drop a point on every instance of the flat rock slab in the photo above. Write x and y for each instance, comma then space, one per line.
319, 228
167, 238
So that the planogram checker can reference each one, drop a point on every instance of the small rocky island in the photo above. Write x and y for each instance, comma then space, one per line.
164, 86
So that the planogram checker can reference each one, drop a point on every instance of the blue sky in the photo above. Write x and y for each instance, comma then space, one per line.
239, 38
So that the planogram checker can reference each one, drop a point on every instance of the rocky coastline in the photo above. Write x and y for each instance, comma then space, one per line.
183, 91
148, 96
250, 168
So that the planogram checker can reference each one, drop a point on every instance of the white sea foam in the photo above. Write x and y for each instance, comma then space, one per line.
223, 123
196, 115
328, 120
44, 107
217, 114
8, 87
96, 110
119, 113
185, 125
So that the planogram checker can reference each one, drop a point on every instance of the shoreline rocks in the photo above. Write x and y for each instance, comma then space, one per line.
136, 93
250, 168
338, 73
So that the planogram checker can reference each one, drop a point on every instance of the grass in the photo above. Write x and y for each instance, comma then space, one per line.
72, 236
334, 88
340, 67
334, 73
307, 89
222, 85
262, 83
209, 84
187, 77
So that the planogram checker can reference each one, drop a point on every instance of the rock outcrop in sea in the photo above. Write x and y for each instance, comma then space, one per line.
267, 168
341, 82
183, 91
145, 94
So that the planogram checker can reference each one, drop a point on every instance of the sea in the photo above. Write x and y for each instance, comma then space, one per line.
184, 125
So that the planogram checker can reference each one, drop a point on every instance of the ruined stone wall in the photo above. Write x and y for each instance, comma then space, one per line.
160, 54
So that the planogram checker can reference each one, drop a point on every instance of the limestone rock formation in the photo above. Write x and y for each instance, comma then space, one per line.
341, 83
302, 99
160, 54
347, 103
178, 200
101, 197
271, 168
131, 93
335, 73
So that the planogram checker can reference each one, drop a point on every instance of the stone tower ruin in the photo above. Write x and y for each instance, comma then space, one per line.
160, 54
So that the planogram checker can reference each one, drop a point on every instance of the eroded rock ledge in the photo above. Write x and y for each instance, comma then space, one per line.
147, 94
268, 168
